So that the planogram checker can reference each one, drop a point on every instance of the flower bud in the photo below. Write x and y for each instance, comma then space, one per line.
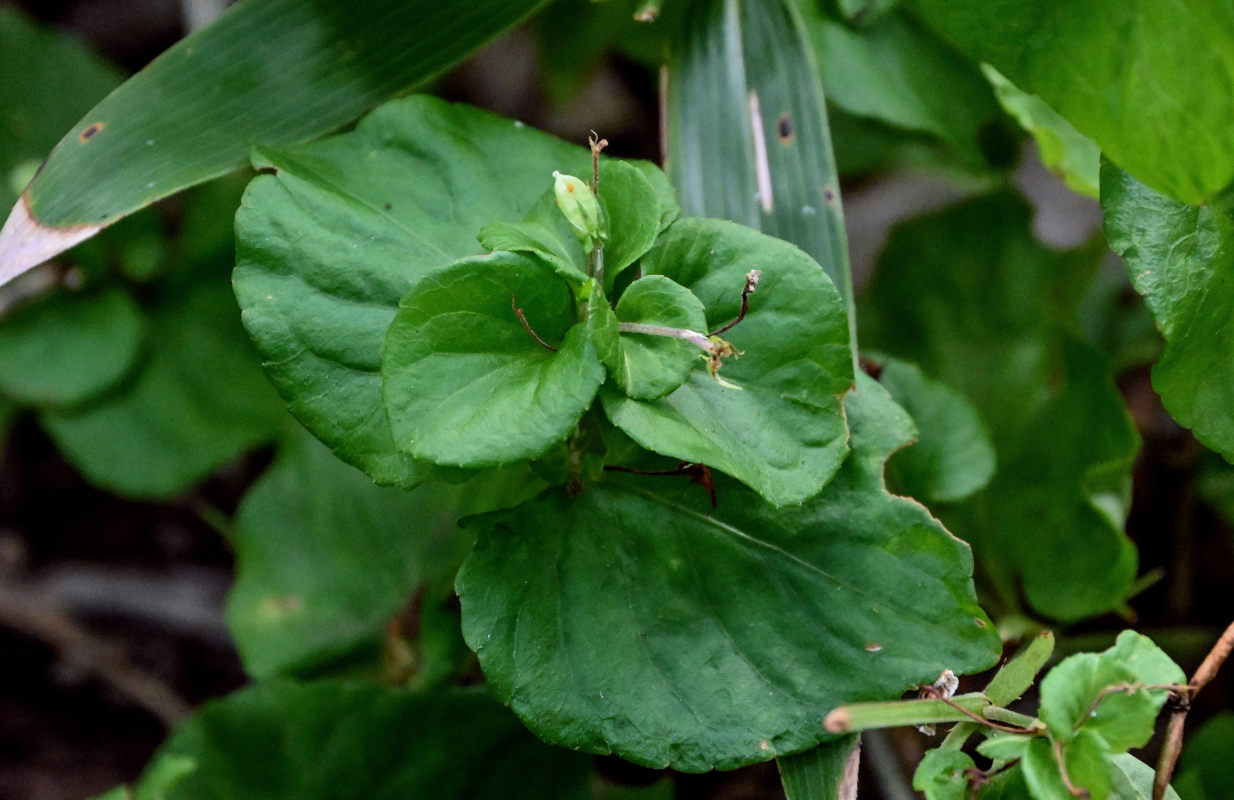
580, 207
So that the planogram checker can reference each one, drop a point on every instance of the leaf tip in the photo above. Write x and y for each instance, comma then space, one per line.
25, 242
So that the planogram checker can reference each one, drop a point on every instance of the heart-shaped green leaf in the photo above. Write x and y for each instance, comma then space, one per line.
467, 383
636, 619
782, 431
647, 366
1104, 692
329, 244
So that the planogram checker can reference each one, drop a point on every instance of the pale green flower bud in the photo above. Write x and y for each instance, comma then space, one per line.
580, 207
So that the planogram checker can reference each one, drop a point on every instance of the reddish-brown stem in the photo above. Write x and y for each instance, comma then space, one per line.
1072, 789
1173, 744
1123, 688
697, 473
597, 144
751, 285
933, 693
518, 312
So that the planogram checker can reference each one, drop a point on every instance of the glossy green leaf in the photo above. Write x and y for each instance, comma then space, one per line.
1103, 693
953, 458
327, 740
47, 81
781, 430
1206, 771
198, 401
941, 775
329, 244
325, 559
901, 73
69, 347
1133, 780
971, 297
821, 773
632, 208
747, 128
646, 366
1148, 80
1085, 759
1065, 151
636, 619
1178, 257
465, 383
265, 74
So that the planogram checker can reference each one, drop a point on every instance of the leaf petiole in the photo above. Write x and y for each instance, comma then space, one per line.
518, 312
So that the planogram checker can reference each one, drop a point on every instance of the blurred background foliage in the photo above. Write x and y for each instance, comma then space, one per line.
147, 463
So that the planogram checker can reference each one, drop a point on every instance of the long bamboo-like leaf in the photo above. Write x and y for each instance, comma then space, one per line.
268, 72
828, 772
747, 135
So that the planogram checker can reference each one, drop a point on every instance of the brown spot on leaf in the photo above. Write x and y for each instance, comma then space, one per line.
980, 623
873, 647
91, 131
785, 129
829, 194
389, 206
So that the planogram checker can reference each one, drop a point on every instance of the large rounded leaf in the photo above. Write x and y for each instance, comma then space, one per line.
781, 431
1180, 257
466, 381
330, 740
329, 244
636, 619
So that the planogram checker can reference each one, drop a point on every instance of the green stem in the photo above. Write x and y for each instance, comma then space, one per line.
897, 713
597, 265
1008, 717
695, 338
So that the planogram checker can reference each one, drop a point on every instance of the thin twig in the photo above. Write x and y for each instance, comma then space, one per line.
934, 694
1127, 688
597, 144
1173, 744
751, 284
527, 326
38, 617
